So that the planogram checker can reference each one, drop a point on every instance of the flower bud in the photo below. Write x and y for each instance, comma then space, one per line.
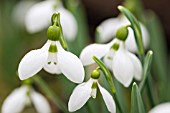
122, 33
53, 33
95, 74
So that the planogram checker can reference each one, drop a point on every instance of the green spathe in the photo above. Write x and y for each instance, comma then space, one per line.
53, 33
122, 33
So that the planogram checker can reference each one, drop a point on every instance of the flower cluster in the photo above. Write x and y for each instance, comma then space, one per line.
54, 58
124, 64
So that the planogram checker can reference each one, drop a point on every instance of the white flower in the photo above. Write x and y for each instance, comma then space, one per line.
123, 63
20, 98
84, 91
107, 31
39, 15
161, 108
54, 59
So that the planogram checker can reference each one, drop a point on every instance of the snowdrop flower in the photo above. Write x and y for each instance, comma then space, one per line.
38, 18
22, 97
53, 58
88, 89
117, 58
161, 108
107, 31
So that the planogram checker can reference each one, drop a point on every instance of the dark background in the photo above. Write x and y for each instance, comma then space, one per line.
99, 10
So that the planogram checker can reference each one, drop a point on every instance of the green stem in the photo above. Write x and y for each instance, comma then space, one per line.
50, 94
118, 103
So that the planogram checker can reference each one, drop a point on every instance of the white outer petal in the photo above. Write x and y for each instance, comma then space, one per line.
131, 43
52, 68
70, 65
161, 108
39, 15
108, 99
123, 67
33, 62
137, 66
15, 102
80, 95
98, 50
108, 59
68, 23
40, 102
107, 29
145, 35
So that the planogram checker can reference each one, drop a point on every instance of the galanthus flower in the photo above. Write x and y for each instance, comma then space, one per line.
22, 97
53, 58
107, 31
124, 64
88, 89
38, 18
161, 108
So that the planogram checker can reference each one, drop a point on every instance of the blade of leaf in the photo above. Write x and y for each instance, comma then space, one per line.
106, 73
147, 66
136, 28
158, 45
137, 105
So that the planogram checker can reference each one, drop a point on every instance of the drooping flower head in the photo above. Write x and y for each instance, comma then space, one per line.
38, 18
88, 89
22, 97
108, 28
117, 58
52, 57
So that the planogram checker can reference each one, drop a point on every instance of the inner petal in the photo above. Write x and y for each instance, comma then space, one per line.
94, 89
94, 92
51, 65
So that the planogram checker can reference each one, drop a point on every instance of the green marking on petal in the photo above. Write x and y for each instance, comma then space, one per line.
53, 48
94, 85
49, 62
115, 46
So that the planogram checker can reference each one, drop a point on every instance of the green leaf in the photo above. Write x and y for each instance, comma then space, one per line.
106, 72
158, 45
136, 28
146, 69
137, 105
